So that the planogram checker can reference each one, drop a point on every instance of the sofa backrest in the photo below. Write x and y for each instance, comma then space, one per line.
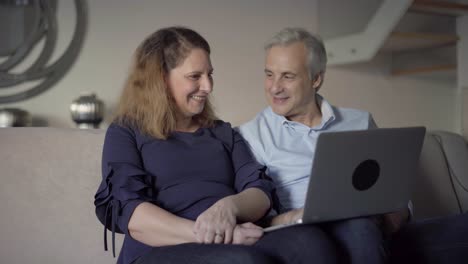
48, 180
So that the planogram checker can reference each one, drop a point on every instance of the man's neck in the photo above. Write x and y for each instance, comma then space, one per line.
308, 120
311, 118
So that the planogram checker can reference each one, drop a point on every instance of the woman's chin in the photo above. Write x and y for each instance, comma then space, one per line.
195, 112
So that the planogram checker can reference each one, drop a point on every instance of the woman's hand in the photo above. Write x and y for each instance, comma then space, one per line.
217, 223
247, 234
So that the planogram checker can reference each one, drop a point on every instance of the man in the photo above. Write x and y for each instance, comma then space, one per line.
283, 138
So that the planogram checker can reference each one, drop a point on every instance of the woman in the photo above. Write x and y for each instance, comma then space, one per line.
172, 173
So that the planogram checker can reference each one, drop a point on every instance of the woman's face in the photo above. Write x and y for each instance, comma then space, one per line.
191, 82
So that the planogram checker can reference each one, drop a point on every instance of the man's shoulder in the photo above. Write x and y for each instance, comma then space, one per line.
256, 133
252, 126
352, 112
350, 118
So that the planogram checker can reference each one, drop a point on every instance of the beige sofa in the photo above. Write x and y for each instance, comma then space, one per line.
49, 177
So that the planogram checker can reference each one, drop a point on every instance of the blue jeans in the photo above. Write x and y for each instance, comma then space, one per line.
298, 244
349, 241
431, 241
192, 253
359, 240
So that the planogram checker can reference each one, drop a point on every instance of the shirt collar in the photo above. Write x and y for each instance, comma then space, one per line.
328, 115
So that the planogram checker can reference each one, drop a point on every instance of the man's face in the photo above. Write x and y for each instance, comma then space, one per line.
288, 87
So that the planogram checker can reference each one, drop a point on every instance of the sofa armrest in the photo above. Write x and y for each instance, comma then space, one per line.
441, 184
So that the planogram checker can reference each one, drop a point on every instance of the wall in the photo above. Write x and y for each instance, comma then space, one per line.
236, 30
393, 101
354, 16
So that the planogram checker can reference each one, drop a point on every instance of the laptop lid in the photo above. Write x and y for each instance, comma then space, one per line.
360, 173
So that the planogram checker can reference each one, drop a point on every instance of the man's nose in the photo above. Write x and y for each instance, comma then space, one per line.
276, 86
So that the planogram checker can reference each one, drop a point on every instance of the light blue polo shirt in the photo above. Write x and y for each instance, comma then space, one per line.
287, 148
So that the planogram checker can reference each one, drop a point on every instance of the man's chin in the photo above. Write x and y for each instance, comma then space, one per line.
279, 111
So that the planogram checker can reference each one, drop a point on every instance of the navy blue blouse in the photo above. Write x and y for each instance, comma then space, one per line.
185, 175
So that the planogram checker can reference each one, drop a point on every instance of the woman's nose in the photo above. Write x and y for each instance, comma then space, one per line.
207, 84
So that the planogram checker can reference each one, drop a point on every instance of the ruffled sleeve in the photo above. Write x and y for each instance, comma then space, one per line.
249, 173
125, 184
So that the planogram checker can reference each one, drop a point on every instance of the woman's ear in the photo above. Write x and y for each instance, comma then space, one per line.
166, 79
167, 86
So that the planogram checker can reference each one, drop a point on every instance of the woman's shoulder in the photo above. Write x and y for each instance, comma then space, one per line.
221, 126
126, 133
127, 130
120, 128
221, 123
223, 131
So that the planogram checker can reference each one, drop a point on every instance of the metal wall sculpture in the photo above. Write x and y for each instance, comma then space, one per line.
23, 24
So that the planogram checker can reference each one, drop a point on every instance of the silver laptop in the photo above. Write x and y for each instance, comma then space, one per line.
361, 173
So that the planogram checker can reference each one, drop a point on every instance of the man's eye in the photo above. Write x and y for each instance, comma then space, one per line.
289, 76
194, 77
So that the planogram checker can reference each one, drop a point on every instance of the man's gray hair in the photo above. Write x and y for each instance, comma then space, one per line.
316, 54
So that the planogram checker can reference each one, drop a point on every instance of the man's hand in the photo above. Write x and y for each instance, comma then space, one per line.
247, 234
295, 215
217, 223
288, 217
392, 222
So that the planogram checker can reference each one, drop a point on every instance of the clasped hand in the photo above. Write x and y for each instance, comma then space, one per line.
218, 224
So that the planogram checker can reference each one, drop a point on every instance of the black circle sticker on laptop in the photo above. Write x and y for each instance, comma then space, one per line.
366, 175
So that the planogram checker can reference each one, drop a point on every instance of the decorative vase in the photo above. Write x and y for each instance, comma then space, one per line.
87, 111
14, 117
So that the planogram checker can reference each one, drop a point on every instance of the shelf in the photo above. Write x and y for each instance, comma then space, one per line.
404, 41
439, 7
428, 69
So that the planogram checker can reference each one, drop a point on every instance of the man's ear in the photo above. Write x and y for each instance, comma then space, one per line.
317, 81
